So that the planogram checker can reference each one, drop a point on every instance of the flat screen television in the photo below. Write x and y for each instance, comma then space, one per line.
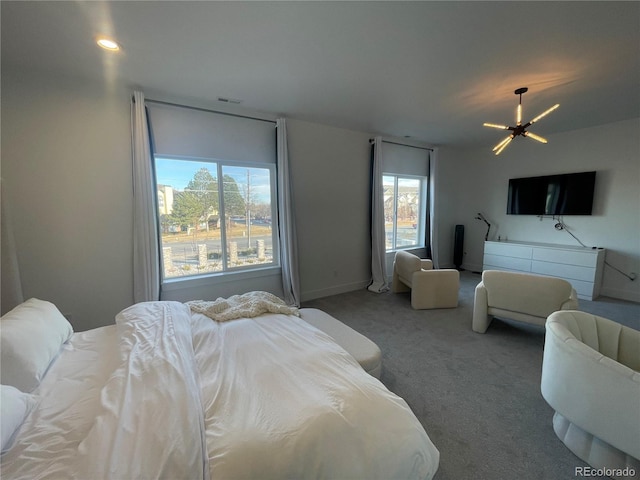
564, 194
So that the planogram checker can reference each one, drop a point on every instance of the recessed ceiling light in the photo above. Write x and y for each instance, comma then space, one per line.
108, 44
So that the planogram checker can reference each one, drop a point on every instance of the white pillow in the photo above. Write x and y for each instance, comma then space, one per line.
14, 408
31, 336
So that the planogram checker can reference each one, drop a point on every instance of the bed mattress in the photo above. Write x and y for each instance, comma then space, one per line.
170, 394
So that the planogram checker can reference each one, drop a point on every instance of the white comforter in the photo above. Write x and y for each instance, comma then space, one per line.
132, 413
181, 396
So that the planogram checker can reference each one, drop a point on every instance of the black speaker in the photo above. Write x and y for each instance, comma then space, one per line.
458, 246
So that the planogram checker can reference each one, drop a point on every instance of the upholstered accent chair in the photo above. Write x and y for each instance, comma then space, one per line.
429, 288
520, 296
590, 377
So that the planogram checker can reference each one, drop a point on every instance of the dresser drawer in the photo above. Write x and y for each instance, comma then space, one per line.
497, 262
508, 250
583, 289
568, 257
574, 272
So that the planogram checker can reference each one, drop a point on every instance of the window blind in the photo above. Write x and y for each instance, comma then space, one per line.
405, 160
187, 132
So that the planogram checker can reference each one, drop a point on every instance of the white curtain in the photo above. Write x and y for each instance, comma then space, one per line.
433, 223
286, 221
378, 248
11, 282
146, 268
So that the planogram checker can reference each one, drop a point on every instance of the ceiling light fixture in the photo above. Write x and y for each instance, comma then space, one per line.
108, 44
520, 129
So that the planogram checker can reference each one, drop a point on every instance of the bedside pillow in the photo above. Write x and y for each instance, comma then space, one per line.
31, 336
14, 408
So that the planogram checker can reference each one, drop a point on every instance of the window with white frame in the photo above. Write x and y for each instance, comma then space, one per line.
216, 192
404, 211
404, 183
220, 217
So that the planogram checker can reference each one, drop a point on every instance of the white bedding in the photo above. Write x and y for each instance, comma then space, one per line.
170, 394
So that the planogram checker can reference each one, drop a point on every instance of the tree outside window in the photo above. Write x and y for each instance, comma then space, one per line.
205, 230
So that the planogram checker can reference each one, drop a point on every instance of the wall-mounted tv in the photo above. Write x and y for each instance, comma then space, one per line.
564, 194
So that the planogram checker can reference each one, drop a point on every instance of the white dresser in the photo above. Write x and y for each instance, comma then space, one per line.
581, 266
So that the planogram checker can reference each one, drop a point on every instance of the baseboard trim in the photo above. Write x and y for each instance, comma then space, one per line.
334, 290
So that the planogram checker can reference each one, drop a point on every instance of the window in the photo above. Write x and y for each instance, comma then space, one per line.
404, 211
216, 191
404, 182
208, 229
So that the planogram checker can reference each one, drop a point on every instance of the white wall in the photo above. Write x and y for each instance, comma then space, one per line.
612, 150
211, 289
448, 190
330, 170
66, 166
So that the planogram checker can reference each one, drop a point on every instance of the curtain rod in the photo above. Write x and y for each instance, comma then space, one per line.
371, 140
170, 104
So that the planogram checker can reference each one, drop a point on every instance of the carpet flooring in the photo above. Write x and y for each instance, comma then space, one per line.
477, 395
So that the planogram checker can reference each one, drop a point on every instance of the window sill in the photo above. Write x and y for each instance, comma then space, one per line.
408, 248
182, 283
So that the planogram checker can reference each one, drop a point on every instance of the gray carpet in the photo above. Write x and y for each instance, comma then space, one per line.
477, 396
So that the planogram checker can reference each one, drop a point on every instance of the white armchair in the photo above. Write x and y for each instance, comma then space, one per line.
520, 296
429, 288
591, 378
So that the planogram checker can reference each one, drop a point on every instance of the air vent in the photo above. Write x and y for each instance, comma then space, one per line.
229, 100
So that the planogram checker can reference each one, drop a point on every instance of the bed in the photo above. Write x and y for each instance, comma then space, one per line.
167, 392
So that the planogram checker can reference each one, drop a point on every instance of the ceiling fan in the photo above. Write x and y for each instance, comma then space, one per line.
520, 129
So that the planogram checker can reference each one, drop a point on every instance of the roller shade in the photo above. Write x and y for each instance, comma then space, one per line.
405, 160
187, 132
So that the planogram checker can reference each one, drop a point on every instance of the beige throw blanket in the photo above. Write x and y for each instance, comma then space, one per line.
247, 305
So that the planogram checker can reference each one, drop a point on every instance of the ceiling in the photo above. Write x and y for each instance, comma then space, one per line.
433, 71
